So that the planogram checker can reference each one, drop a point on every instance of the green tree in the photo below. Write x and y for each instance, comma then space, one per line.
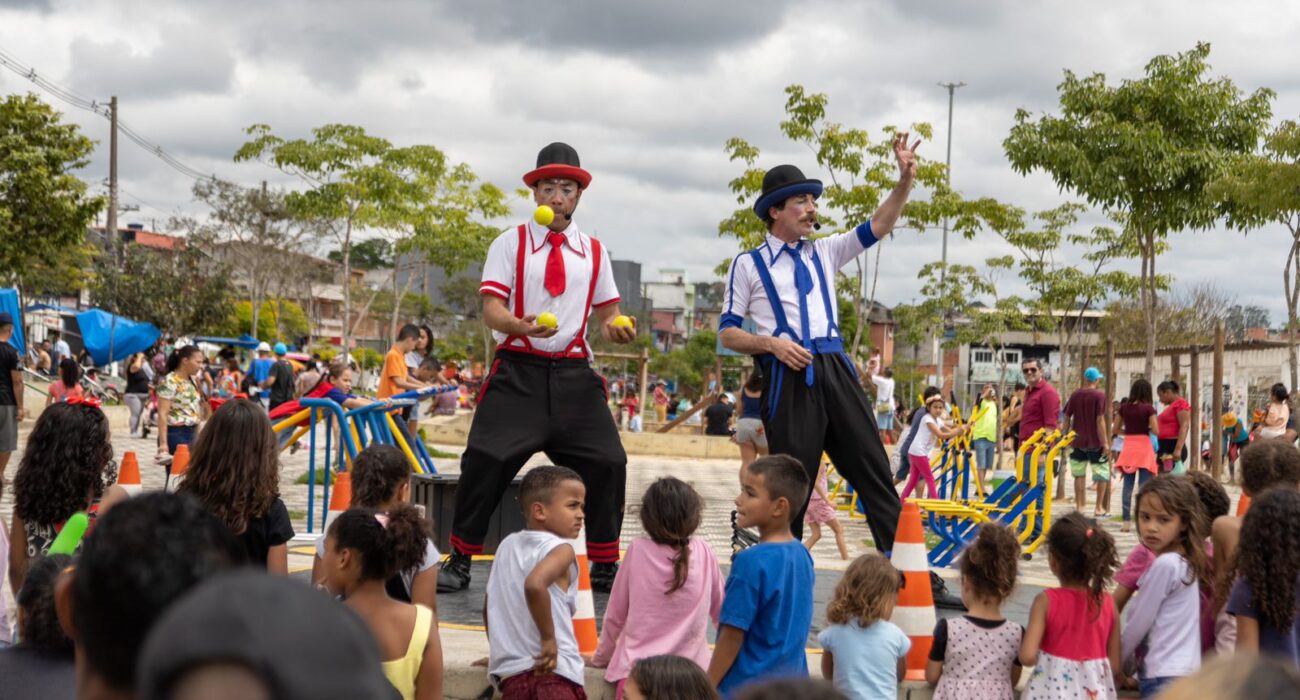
1264, 188
254, 231
280, 320
958, 298
1066, 289
182, 292
689, 362
1145, 150
862, 172
44, 207
371, 254
356, 181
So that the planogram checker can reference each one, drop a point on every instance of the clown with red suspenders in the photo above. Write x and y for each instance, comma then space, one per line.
542, 394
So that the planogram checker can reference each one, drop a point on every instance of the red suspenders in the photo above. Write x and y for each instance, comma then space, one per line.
578, 347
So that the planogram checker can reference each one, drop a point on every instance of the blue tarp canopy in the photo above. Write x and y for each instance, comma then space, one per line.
243, 341
128, 337
9, 302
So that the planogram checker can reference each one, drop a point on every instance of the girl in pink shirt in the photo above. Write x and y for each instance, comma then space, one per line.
667, 590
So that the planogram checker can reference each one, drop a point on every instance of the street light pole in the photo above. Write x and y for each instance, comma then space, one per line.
943, 269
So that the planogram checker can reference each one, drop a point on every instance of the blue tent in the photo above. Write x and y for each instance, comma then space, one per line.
244, 341
128, 337
9, 302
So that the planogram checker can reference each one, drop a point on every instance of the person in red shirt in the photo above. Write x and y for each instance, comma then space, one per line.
1172, 425
1041, 408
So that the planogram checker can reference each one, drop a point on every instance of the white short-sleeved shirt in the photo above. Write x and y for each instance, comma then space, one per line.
884, 389
924, 442
513, 639
501, 279
746, 295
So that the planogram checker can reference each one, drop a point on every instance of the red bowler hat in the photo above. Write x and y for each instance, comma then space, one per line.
558, 160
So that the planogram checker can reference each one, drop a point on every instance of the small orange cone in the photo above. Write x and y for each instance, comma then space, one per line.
340, 497
181, 460
128, 475
584, 618
1243, 505
914, 613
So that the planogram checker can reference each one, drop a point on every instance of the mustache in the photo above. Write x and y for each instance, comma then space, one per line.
813, 220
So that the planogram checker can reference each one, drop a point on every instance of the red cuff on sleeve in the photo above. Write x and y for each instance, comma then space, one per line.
615, 300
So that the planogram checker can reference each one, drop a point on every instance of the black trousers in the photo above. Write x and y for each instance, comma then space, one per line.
835, 416
532, 404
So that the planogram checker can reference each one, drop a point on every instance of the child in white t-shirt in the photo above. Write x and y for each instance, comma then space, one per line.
928, 436
532, 592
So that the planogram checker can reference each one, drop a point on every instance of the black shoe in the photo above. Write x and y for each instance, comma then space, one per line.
942, 598
453, 575
602, 575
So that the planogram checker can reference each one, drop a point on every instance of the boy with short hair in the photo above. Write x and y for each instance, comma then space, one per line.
532, 592
394, 378
763, 627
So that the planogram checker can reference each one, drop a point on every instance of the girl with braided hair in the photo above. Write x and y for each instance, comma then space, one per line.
667, 590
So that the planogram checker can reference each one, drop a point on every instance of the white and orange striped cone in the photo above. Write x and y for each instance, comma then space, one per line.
584, 617
1243, 505
128, 475
340, 497
914, 613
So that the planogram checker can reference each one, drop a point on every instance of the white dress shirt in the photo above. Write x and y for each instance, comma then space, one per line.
501, 279
746, 295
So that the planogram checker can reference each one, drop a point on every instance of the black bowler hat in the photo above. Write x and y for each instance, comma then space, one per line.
558, 160
781, 183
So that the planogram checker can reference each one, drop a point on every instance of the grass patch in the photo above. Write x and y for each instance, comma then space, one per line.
436, 453
320, 477
297, 515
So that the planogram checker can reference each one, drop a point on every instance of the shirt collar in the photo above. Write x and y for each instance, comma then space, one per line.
775, 246
538, 234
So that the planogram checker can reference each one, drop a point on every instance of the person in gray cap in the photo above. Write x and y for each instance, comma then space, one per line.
11, 394
282, 640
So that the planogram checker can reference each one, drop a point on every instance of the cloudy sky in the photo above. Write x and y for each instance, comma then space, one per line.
647, 92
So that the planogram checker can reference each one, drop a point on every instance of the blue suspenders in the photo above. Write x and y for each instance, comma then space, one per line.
833, 343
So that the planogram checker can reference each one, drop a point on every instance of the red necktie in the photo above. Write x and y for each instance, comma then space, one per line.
555, 264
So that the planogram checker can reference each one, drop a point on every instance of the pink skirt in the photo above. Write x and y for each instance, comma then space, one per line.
819, 511
1137, 454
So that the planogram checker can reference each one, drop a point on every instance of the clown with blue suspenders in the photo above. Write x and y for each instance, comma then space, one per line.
812, 401
542, 394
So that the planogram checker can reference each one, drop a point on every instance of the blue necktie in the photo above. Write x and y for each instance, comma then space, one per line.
804, 284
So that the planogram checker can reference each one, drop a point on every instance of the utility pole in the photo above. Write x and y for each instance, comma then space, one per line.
110, 226
943, 270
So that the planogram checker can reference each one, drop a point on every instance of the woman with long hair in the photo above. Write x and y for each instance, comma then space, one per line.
68, 385
749, 424
235, 473
179, 401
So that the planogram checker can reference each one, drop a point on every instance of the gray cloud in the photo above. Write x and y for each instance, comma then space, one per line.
648, 93
189, 61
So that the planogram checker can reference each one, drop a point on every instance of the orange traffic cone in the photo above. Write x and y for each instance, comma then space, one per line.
340, 497
914, 613
128, 475
1243, 505
584, 618
180, 464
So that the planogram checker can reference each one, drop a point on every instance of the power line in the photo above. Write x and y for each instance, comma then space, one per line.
23, 70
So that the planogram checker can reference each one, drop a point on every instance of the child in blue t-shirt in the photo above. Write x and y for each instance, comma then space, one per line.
763, 628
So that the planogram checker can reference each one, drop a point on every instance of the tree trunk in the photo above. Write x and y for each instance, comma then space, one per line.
347, 284
858, 306
1147, 243
397, 304
255, 301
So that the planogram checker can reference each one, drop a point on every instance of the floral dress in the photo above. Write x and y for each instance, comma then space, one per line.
184, 397
1072, 659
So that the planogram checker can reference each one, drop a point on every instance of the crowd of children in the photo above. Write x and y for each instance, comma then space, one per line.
153, 568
